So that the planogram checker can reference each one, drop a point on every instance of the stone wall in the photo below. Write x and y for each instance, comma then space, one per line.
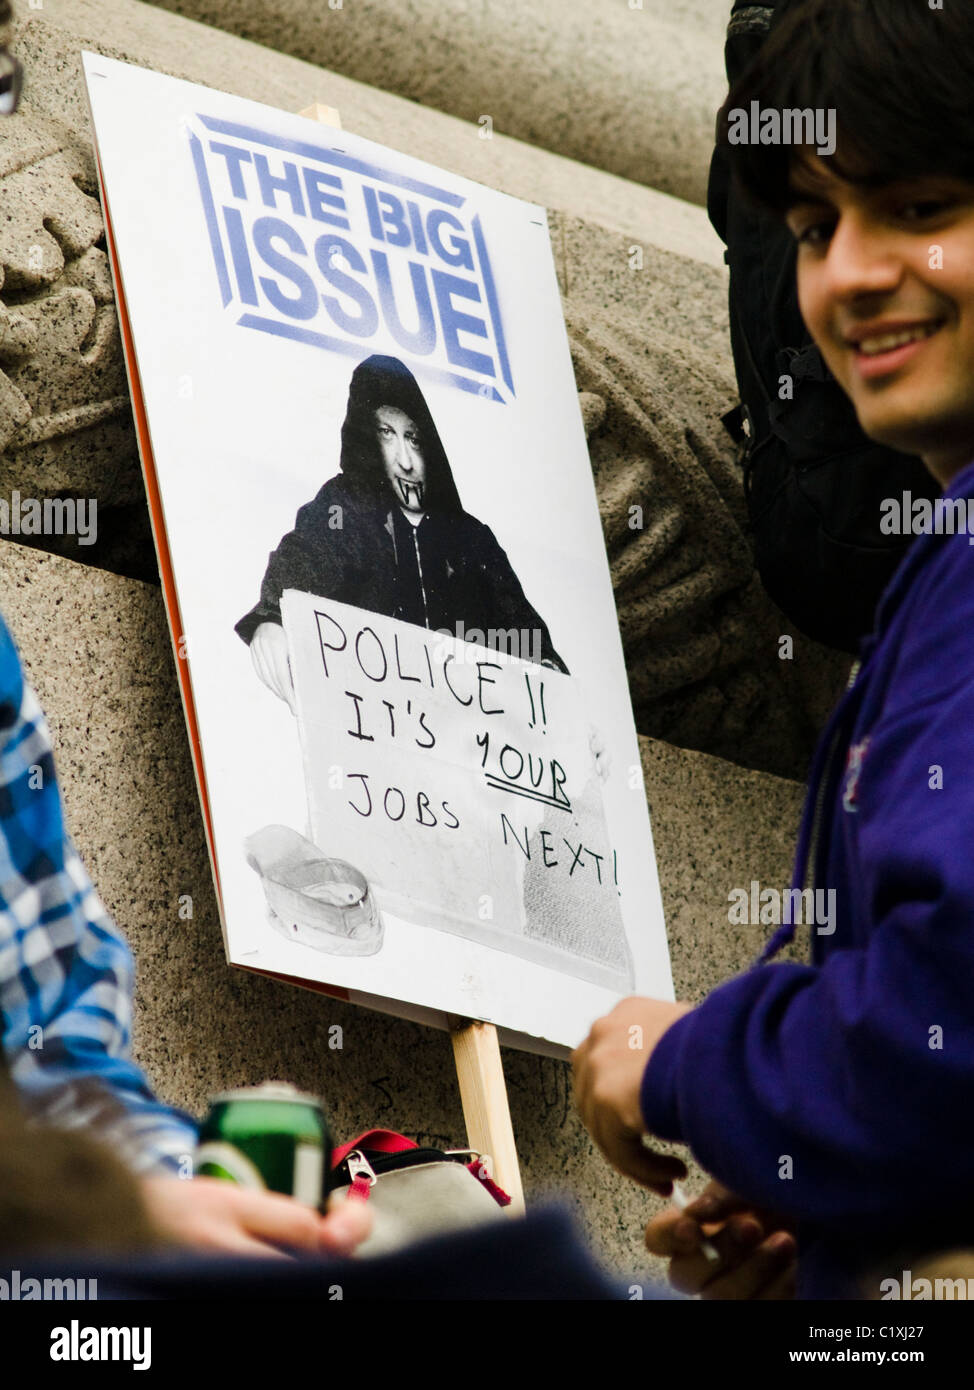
626, 85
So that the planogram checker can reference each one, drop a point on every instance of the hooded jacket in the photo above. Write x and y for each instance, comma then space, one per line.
841, 1092
353, 543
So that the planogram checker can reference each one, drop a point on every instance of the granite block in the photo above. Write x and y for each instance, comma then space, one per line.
628, 87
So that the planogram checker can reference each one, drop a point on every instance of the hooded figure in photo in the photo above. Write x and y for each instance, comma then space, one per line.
389, 534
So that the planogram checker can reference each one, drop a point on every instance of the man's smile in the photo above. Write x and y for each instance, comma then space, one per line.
882, 347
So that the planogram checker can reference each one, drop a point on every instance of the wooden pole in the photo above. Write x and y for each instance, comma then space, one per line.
327, 115
476, 1050
486, 1113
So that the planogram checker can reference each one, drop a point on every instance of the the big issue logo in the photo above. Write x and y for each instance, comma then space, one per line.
314, 244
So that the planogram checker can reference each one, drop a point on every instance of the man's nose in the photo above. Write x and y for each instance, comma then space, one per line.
861, 260
403, 455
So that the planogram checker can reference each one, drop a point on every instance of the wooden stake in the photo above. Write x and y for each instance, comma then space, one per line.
476, 1051
327, 115
486, 1112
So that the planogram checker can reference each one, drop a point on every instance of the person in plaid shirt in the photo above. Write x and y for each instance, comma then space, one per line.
66, 978
65, 973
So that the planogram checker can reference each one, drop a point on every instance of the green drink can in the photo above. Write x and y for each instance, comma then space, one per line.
267, 1137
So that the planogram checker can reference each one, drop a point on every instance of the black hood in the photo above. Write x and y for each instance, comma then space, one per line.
379, 381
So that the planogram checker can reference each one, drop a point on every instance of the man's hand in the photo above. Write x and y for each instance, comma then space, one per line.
210, 1214
268, 648
609, 1068
758, 1252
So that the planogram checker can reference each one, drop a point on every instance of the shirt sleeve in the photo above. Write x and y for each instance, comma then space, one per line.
66, 974
306, 558
843, 1092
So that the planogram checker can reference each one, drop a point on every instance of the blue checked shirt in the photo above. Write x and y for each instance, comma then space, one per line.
66, 975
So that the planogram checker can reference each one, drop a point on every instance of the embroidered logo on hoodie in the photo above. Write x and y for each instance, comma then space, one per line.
853, 770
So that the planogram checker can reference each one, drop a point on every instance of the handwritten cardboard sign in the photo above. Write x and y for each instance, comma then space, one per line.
461, 782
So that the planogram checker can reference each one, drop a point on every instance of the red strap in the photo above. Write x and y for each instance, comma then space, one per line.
383, 1141
498, 1193
387, 1141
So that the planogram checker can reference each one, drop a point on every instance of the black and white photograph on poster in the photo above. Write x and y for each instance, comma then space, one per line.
389, 533
416, 745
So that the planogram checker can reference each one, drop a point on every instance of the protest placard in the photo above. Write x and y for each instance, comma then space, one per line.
383, 566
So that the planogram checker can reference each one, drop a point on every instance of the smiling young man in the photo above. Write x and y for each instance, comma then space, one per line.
833, 1101
886, 286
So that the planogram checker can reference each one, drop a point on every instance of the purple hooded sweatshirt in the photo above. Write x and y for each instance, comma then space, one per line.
859, 1068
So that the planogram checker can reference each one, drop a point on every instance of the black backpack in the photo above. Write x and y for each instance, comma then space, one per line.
814, 482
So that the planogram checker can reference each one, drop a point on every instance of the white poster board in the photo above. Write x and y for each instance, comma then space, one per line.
360, 418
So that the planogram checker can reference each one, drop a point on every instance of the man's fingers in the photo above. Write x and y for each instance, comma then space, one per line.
283, 680
671, 1233
654, 1170
281, 669
757, 1259
691, 1271
264, 665
273, 1217
347, 1224
765, 1268
268, 648
715, 1203
257, 656
578, 1060
752, 1263
660, 1233
674, 1232
232, 1242
623, 1149
278, 673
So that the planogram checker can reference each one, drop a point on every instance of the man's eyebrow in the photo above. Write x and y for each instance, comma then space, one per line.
805, 190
